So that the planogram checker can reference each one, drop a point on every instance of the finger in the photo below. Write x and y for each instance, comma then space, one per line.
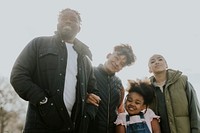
97, 98
94, 103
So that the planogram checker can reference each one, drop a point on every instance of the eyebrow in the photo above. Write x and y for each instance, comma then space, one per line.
159, 57
152, 60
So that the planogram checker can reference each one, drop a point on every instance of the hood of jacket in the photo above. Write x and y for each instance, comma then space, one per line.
172, 76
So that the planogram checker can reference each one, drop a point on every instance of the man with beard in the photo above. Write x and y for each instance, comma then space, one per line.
54, 74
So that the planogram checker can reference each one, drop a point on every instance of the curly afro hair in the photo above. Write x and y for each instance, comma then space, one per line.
142, 87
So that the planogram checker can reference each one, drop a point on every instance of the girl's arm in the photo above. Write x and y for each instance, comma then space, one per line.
155, 126
120, 129
121, 107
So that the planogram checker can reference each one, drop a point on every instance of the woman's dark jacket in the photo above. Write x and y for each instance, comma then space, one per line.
109, 87
39, 72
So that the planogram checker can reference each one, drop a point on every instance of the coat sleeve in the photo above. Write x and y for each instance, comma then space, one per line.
22, 75
194, 108
92, 88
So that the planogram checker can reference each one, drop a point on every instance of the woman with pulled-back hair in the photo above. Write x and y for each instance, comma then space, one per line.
175, 98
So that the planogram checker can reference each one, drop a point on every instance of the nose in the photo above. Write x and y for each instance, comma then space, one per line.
156, 62
132, 104
117, 63
67, 21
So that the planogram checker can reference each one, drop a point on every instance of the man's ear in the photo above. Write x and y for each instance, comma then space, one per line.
108, 55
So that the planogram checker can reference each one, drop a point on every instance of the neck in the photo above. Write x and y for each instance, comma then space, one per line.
107, 70
160, 77
65, 39
69, 41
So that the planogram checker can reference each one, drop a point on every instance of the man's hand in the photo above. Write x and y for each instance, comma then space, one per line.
93, 99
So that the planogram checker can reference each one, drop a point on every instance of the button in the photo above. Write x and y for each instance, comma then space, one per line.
45, 100
60, 74
61, 109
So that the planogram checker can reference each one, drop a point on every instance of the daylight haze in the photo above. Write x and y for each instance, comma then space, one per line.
171, 28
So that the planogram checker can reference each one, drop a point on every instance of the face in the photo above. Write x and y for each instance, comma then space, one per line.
115, 62
68, 26
134, 103
157, 64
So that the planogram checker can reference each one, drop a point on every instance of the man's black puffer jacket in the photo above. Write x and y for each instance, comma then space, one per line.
109, 88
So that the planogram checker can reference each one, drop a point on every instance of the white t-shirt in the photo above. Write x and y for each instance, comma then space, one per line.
148, 117
69, 94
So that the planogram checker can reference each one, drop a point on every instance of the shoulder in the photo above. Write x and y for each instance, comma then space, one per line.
82, 48
38, 43
85, 60
41, 40
150, 114
116, 77
117, 80
121, 119
184, 77
176, 76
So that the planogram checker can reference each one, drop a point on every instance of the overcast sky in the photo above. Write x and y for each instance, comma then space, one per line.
171, 28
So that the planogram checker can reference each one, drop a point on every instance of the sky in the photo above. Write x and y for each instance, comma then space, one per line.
170, 28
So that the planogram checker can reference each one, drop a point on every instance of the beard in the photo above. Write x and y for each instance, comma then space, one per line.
66, 30
67, 33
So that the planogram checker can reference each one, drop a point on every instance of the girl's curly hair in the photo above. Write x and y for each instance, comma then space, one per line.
142, 87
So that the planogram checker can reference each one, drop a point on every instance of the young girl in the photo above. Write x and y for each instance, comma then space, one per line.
140, 119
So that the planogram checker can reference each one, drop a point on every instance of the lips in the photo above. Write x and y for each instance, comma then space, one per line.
131, 108
158, 66
67, 28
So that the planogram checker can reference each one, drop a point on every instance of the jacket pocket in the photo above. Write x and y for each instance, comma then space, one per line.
48, 59
50, 115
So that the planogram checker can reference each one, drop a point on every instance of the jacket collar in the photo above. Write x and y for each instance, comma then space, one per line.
101, 69
79, 46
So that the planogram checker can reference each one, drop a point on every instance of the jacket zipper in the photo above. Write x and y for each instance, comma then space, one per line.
109, 89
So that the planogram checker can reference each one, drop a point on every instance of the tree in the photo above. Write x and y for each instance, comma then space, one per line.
12, 108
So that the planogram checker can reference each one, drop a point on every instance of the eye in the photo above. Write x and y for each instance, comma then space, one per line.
116, 57
74, 20
138, 102
152, 61
122, 64
70, 20
129, 99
